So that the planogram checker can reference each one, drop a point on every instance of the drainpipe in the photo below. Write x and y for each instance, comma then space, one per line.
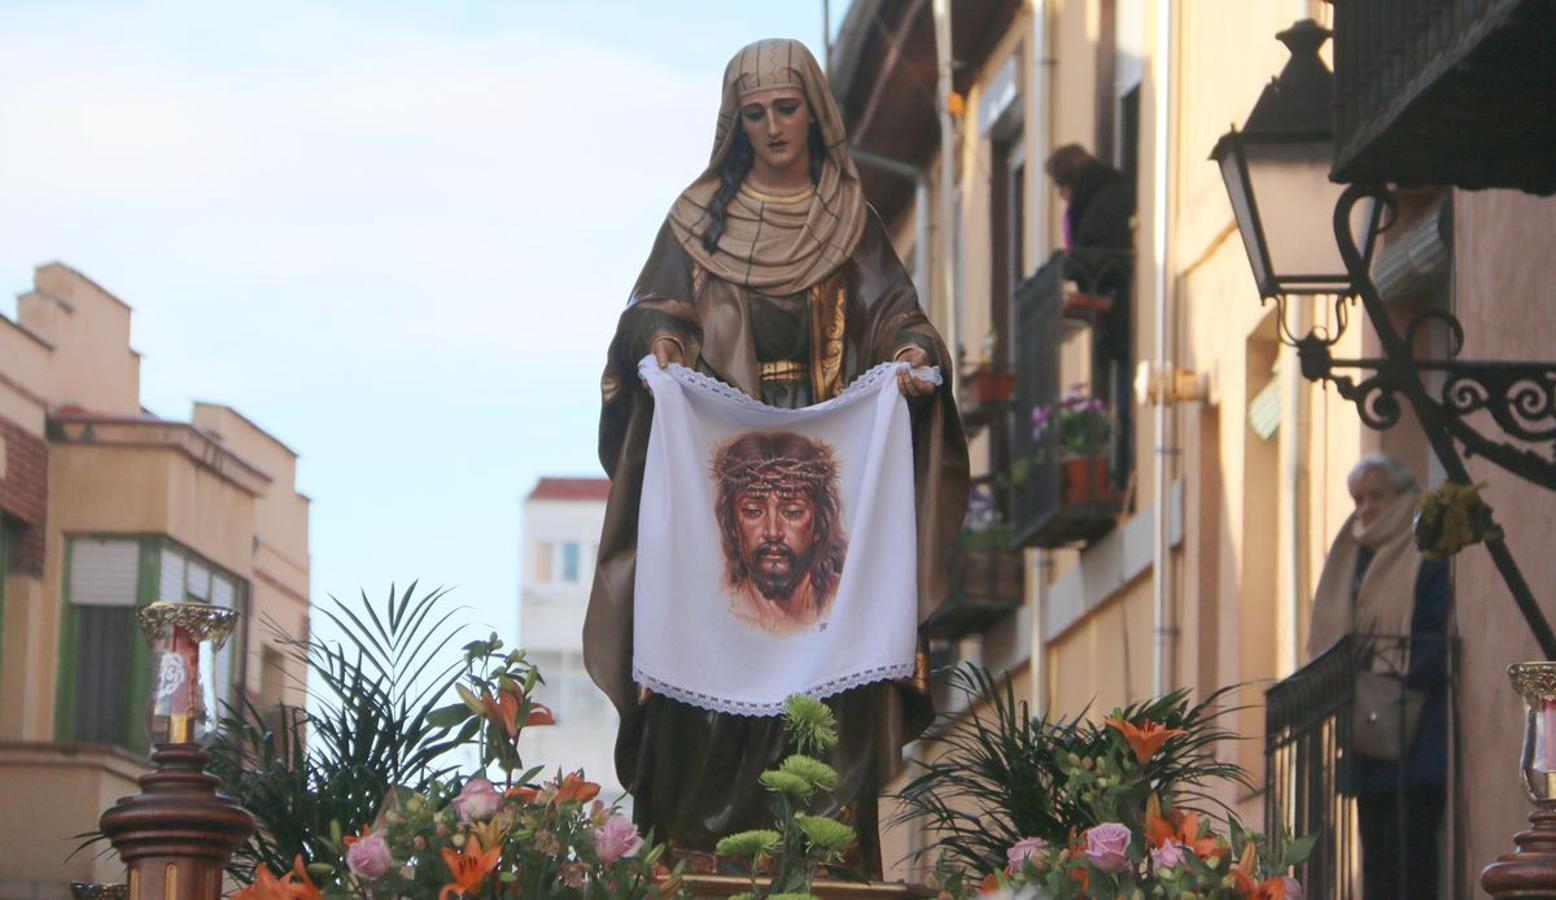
920, 179
950, 303
1040, 565
1293, 431
1164, 644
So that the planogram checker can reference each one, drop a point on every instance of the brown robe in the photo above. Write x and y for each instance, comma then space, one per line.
692, 771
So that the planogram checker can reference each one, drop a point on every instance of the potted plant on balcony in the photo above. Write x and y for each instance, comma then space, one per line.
988, 383
1082, 431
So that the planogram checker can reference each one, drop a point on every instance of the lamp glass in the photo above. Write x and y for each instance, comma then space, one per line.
176, 711
1297, 200
1535, 683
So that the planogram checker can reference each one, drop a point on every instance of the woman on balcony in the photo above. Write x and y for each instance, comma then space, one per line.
1394, 606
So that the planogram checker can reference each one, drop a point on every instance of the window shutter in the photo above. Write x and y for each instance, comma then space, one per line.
103, 572
197, 580
172, 584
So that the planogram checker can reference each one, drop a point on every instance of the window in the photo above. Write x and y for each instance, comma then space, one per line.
104, 662
540, 569
570, 562
102, 648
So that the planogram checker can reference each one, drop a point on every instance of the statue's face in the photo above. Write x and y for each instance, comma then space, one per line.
777, 539
777, 123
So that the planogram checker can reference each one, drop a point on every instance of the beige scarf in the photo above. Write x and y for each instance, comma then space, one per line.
1386, 601
777, 245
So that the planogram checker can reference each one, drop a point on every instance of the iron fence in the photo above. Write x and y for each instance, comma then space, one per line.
1318, 780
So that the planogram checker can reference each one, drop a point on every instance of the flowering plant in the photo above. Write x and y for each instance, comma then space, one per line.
1075, 808
1082, 424
458, 836
804, 841
1451, 518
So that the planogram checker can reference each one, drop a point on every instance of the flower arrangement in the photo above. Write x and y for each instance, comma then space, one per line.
1082, 423
803, 841
445, 836
1451, 518
1074, 808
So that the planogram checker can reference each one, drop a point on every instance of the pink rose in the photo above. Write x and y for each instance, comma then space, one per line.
617, 838
1107, 846
1169, 854
1293, 888
479, 800
369, 857
1020, 850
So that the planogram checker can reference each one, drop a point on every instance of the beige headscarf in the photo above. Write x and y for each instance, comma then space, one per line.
1386, 601
776, 245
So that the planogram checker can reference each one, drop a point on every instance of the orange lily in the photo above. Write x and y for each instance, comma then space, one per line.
503, 710
1180, 827
469, 867
1242, 871
267, 886
1271, 889
574, 787
991, 883
523, 793
1145, 738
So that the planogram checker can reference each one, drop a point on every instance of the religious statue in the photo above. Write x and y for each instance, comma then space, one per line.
773, 276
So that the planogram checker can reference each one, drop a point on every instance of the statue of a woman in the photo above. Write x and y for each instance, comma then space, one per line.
773, 274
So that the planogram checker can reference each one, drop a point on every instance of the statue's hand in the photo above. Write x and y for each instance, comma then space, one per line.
667, 350
910, 386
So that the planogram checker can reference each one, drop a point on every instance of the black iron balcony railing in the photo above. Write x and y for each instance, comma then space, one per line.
1320, 782
1066, 486
1445, 92
983, 577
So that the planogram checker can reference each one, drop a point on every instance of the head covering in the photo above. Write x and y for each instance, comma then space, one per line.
1385, 600
778, 245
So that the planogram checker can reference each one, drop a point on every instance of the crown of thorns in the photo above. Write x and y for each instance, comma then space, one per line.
781, 474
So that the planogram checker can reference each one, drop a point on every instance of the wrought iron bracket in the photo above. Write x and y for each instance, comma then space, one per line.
1520, 397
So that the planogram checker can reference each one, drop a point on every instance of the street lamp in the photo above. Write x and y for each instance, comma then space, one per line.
1277, 176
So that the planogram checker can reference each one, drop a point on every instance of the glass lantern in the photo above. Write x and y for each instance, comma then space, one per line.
176, 711
1535, 682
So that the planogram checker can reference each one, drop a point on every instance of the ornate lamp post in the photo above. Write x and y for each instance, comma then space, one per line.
1276, 173
177, 834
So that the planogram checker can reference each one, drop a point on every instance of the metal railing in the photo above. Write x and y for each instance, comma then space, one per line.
1079, 289
1319, 782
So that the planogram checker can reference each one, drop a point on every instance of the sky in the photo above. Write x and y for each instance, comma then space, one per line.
395, 235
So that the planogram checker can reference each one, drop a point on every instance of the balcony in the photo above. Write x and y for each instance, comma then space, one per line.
1071, 329
984, 581
1316, 775
1446, 92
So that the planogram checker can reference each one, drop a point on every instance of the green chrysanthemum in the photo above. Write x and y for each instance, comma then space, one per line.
781, 782
810, 724
750, 844
826, 834
820, 775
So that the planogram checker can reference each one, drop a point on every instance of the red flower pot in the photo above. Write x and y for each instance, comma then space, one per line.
1087, 480
989, 385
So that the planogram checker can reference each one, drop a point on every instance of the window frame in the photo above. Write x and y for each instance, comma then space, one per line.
132, 734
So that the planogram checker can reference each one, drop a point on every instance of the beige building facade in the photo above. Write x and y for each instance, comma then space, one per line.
1238, 481
105, 508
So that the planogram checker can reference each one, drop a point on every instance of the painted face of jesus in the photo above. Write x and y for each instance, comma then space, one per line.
777, 539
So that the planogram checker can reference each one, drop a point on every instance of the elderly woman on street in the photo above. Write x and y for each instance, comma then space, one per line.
1395, 605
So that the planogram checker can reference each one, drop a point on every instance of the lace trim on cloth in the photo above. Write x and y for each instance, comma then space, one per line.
752, 708
857, 389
